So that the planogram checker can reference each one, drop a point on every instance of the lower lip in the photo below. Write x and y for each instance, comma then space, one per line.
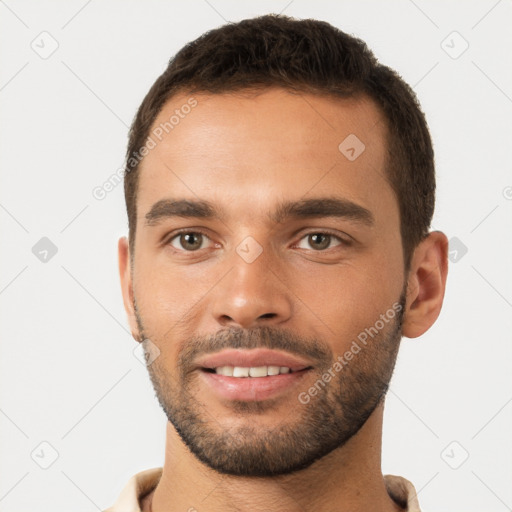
252, 389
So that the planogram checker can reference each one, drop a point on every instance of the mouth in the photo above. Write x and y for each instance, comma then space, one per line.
253, 371
242, 386
251, 375
251, 363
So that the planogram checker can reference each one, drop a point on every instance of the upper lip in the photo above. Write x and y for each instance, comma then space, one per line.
252, 358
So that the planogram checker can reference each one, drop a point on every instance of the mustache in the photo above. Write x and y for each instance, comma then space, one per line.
260, 337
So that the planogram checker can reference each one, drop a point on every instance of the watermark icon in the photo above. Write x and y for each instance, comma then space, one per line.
44, 44
507, 193
44, 455
44, 250
157, 134
249, 249
454, 45
146, 352
305, 396
455, 455
351, 147
456, 249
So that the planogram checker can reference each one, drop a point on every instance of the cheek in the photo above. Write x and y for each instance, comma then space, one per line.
340, 302
170, 298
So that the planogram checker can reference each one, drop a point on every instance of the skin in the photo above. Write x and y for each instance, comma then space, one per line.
286, 148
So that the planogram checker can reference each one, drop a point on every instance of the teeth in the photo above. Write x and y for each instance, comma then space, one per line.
254, 371
273, 370
240, 372
258, 371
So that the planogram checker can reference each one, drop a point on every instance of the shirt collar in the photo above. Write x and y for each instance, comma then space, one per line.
399, 489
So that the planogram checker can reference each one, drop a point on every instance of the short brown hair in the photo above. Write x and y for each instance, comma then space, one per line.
305, 56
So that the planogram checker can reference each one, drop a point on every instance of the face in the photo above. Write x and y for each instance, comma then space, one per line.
268, 238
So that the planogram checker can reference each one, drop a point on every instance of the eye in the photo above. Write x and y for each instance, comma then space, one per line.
320, 241
189, 241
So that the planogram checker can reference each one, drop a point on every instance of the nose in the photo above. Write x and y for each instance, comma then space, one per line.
251, 295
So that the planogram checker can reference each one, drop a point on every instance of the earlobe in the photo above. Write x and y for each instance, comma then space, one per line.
426, 284
127, 285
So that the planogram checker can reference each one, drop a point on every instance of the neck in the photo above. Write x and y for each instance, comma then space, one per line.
349, 477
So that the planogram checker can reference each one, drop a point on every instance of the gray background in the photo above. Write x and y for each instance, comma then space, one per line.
68, 376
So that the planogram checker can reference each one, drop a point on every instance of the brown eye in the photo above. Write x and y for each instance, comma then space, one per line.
320, 241
189, 241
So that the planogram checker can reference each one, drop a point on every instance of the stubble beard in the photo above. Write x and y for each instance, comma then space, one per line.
307, 433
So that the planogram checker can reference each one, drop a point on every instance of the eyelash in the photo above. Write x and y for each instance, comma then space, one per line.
198, 231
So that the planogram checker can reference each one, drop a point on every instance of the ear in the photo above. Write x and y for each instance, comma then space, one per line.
126, 285
426, 284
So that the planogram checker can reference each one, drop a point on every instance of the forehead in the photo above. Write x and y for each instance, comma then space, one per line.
248, 150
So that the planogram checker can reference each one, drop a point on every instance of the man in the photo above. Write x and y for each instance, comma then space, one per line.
280, 188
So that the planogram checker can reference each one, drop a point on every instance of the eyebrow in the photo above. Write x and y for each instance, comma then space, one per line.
303, 209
